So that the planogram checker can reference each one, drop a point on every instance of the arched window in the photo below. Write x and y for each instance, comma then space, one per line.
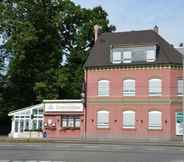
155, 87
129, 87
155, 120
129, 119
102, 119
103, 88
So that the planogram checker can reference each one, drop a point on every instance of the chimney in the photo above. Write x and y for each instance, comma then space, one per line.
156, 29
97, 29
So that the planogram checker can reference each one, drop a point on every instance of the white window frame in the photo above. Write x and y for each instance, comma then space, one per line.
155, 87
180, 86
155, 123
103, 87
116, 57
129, 91
126, 123
150, 55
102, 123
127, 56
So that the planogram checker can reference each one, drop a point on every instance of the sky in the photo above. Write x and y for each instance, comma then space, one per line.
129, 15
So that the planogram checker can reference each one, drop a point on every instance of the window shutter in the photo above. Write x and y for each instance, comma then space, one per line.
180, 87
129, 87
155, 120
103, 88
155, 87
102, 119
128, 119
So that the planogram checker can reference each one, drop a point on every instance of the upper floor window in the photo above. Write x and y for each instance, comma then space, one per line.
116, 57
129, 119
155, 87
102, 119
129, 87
180, 87
150, 55
155, 120
103, 88
128, 54
127, 57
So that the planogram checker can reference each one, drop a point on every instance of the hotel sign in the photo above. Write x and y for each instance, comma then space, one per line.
179, 123
63, 107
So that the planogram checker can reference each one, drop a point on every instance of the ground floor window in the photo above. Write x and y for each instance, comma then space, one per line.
155, 120
128, 119
102, 119
70, 121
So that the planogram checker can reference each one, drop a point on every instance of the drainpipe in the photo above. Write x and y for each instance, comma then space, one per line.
85, 104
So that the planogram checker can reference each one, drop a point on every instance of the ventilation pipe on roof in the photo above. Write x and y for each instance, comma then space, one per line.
97, 29
156, 29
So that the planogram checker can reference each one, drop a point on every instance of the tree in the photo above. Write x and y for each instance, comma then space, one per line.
39, 34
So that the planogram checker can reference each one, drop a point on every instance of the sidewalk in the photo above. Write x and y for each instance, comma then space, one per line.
5, 139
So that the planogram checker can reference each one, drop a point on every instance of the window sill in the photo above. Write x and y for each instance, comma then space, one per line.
69, 128
129, 129
154, 129
103, 128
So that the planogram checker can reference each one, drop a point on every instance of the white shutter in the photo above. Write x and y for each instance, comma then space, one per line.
102, 119
155, 120
155, 87
128, 119
116, 57
180, 87
129, 87
103, 88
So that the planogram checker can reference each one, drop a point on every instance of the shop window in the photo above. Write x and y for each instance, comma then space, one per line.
70, 121
16, 125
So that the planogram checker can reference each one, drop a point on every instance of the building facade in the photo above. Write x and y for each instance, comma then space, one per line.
64, 119
134, 87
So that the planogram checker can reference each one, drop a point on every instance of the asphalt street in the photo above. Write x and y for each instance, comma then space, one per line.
62, 152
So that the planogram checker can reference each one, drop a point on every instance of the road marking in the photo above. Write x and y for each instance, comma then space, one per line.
7, 145
33, 146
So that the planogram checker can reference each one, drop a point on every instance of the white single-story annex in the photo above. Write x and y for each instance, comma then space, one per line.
27, 122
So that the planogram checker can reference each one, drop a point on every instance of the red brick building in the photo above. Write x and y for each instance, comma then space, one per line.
133, 86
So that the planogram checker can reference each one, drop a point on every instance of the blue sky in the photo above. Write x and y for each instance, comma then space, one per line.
144, 14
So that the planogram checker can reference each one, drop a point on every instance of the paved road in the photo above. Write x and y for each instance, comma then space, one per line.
89, 153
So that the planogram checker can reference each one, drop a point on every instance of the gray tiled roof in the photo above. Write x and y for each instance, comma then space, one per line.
100, 53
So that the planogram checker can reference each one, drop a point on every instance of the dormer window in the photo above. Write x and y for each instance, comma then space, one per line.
127, 57
116, 57
150, 55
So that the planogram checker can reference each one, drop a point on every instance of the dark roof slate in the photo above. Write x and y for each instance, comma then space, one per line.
100, 53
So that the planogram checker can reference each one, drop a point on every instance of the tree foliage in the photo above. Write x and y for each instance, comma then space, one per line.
39, 34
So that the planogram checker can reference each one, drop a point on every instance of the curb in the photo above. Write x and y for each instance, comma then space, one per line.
47, 141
